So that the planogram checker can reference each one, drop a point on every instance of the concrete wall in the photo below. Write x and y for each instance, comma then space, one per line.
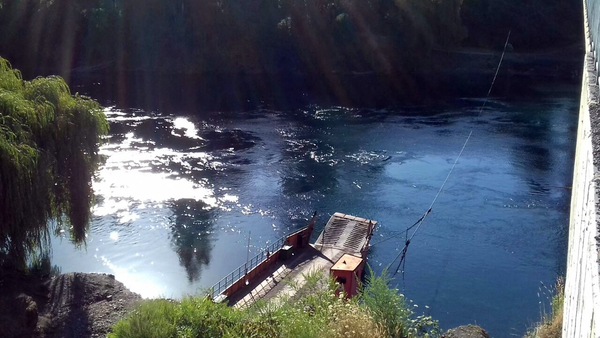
581, 316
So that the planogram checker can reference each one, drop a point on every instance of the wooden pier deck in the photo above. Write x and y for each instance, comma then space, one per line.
343, 234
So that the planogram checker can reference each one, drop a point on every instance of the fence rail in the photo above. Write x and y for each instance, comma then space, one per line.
240, 272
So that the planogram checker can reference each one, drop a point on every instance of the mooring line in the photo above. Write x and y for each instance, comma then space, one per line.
421, 220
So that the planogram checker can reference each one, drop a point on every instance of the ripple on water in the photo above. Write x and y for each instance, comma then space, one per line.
178, 197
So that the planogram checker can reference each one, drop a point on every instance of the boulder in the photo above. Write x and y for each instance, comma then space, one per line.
466, 331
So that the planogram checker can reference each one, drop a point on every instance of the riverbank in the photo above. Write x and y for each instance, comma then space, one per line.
68, 305
89, 305
446, 74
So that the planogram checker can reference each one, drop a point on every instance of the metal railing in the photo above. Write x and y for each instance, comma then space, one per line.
240, 272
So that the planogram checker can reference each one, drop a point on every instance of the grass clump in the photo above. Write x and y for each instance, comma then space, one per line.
550, 325
352, 320
314, 311
48, 153
391, 312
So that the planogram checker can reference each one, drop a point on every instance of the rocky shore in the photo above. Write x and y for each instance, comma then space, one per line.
69, 305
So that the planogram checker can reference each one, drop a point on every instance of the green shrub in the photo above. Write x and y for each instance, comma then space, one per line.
192, 317
386, 305
390, 310
351, 320
156, 318
314, 311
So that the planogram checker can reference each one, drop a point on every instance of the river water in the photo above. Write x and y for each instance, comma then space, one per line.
179, 194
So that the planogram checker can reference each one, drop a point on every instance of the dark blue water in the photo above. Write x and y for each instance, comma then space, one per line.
179, 194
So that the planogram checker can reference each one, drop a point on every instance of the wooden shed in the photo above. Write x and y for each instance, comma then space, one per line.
347, 271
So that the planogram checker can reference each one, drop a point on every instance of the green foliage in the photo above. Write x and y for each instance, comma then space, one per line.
40, 265
390, 310
155, 318
386, 304
314, 311
48, 152
192, 317
313, 37
228, 35
550, 325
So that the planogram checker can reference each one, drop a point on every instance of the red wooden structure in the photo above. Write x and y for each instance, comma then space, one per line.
347, 271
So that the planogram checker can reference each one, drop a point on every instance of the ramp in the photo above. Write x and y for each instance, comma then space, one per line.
349, 234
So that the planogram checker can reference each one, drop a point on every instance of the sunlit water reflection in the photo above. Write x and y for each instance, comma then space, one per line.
177, 197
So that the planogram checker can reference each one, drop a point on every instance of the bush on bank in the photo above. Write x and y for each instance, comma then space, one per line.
378, 311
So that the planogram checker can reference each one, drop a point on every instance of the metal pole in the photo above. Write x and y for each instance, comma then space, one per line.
324, 235
248, 256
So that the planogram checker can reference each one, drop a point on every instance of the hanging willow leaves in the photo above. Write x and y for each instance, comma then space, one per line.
48, 153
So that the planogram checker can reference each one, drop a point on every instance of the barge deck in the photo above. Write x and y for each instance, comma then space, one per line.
295, 257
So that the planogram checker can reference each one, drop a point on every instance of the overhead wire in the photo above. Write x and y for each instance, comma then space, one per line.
421, 220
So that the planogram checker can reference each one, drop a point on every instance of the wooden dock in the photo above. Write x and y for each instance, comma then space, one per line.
343, 234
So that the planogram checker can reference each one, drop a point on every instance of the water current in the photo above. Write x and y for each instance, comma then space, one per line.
179, 194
